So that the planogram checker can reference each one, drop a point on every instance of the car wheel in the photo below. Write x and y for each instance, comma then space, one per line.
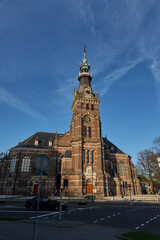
33, 207
53, 208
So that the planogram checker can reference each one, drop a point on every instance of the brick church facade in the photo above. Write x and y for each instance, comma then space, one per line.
88, 163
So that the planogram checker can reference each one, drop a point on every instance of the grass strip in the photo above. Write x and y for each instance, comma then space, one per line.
142, 235
11, 219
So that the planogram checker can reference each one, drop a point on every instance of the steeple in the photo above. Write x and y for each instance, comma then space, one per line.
84, 75
84, 67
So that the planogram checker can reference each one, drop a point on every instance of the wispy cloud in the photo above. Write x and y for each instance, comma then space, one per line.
155, 69
115, 75
63, 95
87, 15
11, 100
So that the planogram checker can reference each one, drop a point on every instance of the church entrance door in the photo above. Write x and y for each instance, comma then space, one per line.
89, 188
35, 188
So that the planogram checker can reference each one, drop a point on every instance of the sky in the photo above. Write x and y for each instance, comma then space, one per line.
41, 47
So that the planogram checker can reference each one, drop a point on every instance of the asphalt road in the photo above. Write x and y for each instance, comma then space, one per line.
139, 217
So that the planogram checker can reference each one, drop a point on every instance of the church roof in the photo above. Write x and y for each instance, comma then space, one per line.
113, 148
43, 139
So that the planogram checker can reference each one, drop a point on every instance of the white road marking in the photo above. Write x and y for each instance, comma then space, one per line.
157, 215
108, 216
114, 215
102, 219
119, 213
151, 219
96, 221
44, 215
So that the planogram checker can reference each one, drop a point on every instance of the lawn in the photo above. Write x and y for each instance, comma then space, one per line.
142, 235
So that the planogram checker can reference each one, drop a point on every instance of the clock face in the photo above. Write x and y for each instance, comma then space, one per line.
87, 120
88, 92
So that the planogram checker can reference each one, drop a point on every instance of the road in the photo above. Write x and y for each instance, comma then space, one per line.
122, 216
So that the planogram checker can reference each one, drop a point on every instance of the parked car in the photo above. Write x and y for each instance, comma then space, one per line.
64, 203
45, 203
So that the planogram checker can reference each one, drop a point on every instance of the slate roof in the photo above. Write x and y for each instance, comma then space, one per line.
43, 140
43, 143
113, 148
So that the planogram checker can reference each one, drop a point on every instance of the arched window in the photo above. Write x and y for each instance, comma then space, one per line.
59, 164
92, 107
87, 156
82, 106
25, 164
85, 131
121, 169
90, 132
13, 164
92, 152
87, 106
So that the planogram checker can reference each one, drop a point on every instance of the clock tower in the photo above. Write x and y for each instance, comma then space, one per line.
84, 170
84, 162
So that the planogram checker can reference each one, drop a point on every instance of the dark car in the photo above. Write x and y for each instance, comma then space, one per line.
45, 203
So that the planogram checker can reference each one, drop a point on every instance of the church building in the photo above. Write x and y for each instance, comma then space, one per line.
86, 162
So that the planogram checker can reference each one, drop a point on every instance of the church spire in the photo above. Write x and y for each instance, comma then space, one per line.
84, 75
84, 67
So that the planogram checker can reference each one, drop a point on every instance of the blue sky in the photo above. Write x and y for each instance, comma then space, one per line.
42, 47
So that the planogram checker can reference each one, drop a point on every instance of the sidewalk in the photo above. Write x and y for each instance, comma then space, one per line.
135, 198
57, 230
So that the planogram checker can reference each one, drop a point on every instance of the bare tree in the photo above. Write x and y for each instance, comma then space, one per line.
156, 145
147, 165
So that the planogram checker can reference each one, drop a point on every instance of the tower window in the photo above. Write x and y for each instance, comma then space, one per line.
82, 106
92, 107
92, 152
83, 156
90, 132
87, 156
85, 131
59, 164
87, 106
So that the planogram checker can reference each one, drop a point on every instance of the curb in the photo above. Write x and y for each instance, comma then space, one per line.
123, 238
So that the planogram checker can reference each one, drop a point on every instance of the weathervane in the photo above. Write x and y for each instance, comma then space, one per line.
84, 50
